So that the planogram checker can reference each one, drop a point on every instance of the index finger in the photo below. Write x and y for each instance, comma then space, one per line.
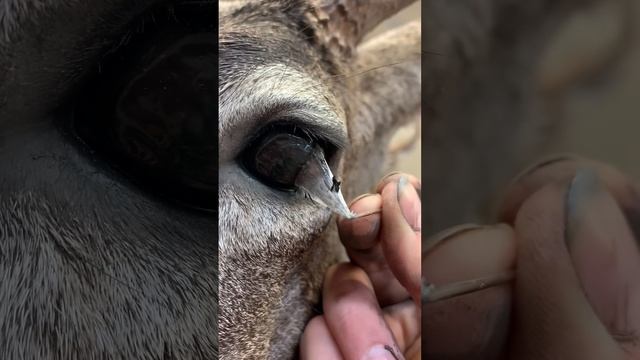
361, 238
401, 231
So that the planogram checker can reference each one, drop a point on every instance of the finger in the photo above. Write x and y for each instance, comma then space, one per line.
360, 234
402, 319
561, 169
353, 316
624, 193
395, 176
554, 317
473, 326
606, 258
317, 342
361, 238
401, 231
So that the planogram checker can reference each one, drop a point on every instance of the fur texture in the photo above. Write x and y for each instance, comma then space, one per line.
91, 267
278, 59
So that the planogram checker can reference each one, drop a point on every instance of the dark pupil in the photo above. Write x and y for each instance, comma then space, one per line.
280, 157
165, 118
152, 115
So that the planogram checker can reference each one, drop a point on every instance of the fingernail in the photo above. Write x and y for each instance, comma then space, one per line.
544, 162
425, 290
363, 215
409, 202
632, 213
603, 251
437, 239
386, 179
363, 233
389, 175
583, 189
383, 352
359, 198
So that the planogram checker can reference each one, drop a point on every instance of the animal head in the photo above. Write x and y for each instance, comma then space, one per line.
295, 66
96, 261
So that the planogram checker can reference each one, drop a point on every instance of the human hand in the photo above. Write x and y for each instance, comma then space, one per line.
372, 304
576, 294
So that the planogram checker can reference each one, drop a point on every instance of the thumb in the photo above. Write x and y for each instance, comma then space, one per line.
575, 292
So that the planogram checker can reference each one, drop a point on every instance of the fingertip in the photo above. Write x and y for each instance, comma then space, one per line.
394, 177
549, 170
361, 233
549, 296
400, 241
472, 253
351, 310
561, 169
473, 325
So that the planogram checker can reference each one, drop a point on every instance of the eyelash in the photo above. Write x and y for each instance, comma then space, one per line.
294, 127
115, 65
279, 151
80, 119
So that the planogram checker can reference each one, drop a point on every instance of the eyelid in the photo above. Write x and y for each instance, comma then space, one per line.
314, 121
114, 31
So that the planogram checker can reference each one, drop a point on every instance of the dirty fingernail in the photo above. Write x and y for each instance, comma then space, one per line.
362, 234
382, 352
585, 192
409, 203
603, 251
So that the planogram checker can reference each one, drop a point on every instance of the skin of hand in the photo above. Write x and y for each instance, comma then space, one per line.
371, 305
573, 240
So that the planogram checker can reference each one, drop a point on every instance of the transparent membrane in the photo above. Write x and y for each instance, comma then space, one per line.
316, 182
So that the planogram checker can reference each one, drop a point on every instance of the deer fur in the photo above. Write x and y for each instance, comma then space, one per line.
283, 58
91, 267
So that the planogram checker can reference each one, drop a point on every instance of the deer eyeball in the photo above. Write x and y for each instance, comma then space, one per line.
279, 158
147, 112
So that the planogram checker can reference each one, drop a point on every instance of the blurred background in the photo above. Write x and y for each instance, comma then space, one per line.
601, 113
410, 160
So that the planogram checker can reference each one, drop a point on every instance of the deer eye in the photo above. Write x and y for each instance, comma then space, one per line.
277, 156
149, 113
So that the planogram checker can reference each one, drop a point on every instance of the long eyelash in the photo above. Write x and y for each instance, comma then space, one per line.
160, 15
305, 194
294, 127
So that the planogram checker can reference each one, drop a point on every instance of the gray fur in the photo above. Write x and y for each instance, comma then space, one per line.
91, 267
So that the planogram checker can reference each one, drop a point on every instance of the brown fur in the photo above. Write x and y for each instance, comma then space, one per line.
275, 247
93, 268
